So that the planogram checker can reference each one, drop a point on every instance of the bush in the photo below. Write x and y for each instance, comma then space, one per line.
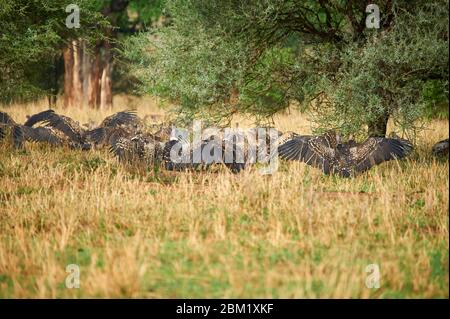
218, 59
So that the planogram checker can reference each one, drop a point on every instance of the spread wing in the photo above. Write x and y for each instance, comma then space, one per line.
97, 135
376, 150
39, 117
314, 151
13, 130
120, 118
67, 126
6, 119
107, 135
38, 134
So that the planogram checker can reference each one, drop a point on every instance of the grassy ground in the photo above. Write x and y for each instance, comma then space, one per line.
294, 234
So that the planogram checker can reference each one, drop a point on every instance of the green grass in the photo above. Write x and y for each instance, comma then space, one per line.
157, 234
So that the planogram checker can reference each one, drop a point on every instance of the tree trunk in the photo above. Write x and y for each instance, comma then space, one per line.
378, 128
73, 90
88, 78
94, 82
106, 88
68, 76
86, 72
54, 87
77, 86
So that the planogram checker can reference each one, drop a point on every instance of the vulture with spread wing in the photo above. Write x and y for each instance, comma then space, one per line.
121, 118
65, 128
124, 123
234, 149
22, 133
128, 138
329, 154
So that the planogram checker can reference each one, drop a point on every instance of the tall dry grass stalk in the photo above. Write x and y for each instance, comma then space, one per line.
294, 234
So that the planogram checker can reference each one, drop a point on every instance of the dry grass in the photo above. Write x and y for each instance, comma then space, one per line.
295, 234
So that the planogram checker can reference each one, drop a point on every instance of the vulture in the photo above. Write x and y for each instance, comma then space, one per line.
178, 153
6, 123
76, 136
121, 118
6, 119
8, 126
125, 122
328, 153
128, 139
440, 148
236, 149
140, 148
65, 128
22, 133
232, 151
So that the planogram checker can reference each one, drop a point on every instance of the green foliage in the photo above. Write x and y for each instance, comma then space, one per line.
204, 71
138, 16
389, 73
145, 10
32, 36
435, 96
270, 87
316, 53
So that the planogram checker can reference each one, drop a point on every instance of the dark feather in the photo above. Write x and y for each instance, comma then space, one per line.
441, 148
141, 148
120, 118
311, 150
18, 136
68, 126
6, 119
97, 135
376, 150
346, 159
13, 131
40, 134
39, 117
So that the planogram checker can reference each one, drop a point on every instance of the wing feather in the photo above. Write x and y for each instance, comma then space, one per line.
5, 118
67, 126
376, 150
39, 117
39, 134
310, 150
120, 118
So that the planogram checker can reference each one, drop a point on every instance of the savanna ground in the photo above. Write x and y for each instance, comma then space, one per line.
294, 234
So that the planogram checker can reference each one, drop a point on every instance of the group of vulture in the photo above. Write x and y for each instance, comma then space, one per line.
132, 141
